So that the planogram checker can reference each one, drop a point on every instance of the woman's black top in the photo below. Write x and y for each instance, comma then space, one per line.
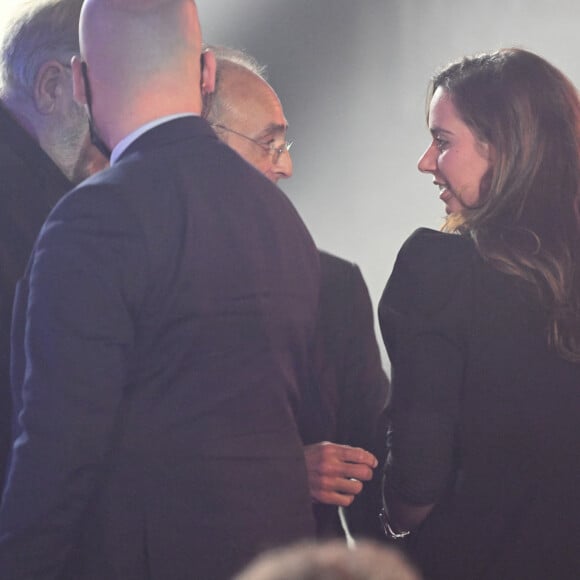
485, 417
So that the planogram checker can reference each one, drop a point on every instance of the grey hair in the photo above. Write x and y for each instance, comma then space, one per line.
239, 57
37, 32
227, 57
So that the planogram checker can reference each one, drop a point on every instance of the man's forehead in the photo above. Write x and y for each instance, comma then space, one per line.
256, 103
251, 91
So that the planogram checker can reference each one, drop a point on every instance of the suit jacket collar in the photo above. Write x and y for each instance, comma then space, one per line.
170, 132
14, 138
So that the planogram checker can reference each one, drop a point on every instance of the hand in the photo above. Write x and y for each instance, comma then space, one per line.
336, 472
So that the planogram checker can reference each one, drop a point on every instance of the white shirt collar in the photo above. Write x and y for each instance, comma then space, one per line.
122, 145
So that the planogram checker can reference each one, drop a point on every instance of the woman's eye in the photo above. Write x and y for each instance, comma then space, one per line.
441, 144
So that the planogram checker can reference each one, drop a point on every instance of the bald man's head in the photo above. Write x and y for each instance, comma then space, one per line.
133, 40
247, 115
142, 57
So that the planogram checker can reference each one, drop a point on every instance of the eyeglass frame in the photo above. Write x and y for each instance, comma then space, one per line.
273, 150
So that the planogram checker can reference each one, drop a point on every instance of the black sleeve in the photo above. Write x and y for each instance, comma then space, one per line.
424, 317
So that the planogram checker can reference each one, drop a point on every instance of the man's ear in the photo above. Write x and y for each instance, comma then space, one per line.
49, 86
208, 67
79, 89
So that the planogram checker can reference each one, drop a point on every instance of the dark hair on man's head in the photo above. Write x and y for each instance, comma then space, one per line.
527, 221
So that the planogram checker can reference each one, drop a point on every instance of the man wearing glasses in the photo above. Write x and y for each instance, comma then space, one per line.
340, 414
247, 115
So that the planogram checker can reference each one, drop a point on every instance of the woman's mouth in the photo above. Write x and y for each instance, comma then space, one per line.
445, 194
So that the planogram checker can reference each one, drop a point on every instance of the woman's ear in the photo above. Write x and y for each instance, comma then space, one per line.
208, 67
49, 86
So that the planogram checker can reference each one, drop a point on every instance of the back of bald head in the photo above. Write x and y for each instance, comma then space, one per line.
142, 50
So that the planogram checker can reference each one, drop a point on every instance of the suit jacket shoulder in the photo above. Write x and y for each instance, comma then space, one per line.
350, 377
342, 290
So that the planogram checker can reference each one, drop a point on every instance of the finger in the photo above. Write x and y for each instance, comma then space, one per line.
339, 469
325, 451
358, 455
333, 498
337, 485
354, 471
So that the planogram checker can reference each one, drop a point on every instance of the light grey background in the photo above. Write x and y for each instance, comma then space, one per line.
352, 78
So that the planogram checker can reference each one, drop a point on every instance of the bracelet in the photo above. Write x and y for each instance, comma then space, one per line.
389, 532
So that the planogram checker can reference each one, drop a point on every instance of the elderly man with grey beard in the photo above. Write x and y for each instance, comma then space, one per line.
44, 148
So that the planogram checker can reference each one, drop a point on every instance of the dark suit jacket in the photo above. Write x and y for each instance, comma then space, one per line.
30, 186
351, 383
485, 418
170, 309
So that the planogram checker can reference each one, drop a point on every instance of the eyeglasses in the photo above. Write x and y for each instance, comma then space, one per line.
274, 150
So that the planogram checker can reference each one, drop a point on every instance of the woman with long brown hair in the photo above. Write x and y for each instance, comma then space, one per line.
482, 326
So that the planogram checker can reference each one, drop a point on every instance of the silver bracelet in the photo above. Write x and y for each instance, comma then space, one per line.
389, 532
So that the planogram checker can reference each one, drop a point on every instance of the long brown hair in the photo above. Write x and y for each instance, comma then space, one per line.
527, 221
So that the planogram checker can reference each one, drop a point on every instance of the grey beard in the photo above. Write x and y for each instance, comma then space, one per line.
72, 147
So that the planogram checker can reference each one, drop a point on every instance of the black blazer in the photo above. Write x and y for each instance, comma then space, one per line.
351, 383
485, 417
165, 322
30, 186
